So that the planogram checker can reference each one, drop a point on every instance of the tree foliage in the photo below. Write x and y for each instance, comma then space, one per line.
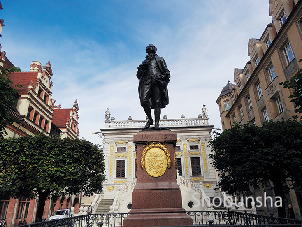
295, 83
38, 166
8, 98
247, 155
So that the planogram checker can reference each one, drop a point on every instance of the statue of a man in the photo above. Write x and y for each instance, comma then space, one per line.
154, 77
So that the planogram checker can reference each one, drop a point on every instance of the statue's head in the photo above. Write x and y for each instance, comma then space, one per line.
151, 49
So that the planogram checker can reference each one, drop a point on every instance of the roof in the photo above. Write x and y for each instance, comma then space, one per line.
21, 81
227, 88
60, 117
5, 61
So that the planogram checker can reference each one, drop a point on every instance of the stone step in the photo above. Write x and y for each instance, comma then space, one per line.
104, 206
107, 201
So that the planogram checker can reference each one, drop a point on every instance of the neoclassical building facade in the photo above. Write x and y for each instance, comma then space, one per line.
196, 175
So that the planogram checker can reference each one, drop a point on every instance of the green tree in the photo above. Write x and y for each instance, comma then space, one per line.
247, 155
295, 83
40, 166
8, 98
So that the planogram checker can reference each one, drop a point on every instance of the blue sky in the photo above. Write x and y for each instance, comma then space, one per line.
95, 46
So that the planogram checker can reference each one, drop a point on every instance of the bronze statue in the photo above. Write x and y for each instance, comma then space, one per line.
154, 77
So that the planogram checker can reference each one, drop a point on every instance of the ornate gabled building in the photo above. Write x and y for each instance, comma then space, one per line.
274, 58
36, 110
36, 113
67, 120
197, 177
34, 104
256, 95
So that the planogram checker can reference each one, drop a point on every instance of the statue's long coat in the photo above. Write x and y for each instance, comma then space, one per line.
162, 81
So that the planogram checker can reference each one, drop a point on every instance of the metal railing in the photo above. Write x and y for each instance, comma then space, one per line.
3, 223
200, 218
237, 218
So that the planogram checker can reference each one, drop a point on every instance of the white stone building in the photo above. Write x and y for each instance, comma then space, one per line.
197, 177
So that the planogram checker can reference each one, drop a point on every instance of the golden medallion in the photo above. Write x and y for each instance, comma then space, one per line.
155, 159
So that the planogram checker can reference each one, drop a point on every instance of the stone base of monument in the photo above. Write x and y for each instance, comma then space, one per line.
156, 198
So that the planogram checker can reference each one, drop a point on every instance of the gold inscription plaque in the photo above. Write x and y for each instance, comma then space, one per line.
155, 159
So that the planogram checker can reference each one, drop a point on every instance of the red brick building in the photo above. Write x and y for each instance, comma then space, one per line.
67, 120
37, 114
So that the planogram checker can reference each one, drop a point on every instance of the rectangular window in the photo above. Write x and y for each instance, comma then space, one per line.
227, 105
195, 165
279, 105
240, 86
233, 98
3, 208
259, 90
62, 202
249, 102
177, 148
30, 109
46, 98
35, 117
256, 59
268, 42
234, 117
53, 205
282, 18
46, 126
22, 211
265, 114
40, 121
40, 94
121, 149
179, 168
248, 75
288, 53
271, 73
241, 112
193, 147
120, 168
68, 201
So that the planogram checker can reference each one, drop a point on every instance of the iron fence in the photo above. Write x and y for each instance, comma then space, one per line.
200, 218
3, 223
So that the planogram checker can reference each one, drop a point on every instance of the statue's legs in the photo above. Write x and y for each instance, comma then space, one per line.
157, 117
147, 110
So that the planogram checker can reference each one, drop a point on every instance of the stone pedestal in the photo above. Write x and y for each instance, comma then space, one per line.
156, 198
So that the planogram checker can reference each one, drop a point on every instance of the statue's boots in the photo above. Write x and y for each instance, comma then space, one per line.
149, 122
157, 117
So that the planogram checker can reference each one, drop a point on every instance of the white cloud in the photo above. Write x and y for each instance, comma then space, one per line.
204, 45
